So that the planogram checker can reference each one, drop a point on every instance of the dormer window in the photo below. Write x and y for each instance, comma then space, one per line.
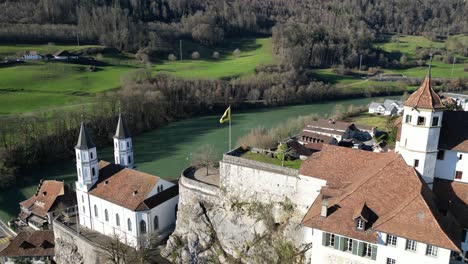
360, 224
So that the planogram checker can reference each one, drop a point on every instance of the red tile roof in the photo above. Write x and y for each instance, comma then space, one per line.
31, 244
41, 202
425, 97
123, 186
402, 203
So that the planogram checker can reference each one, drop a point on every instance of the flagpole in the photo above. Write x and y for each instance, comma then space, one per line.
229, 131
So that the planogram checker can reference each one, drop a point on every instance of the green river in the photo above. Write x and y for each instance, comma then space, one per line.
167, 151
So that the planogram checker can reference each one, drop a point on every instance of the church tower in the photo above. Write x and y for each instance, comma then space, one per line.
123, 148
420, 131
86, 161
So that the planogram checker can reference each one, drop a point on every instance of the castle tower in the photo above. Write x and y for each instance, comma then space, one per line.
422, 120
86, 161
123, 148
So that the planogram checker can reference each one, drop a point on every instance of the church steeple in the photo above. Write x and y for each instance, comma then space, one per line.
425, 97
86, 160
123, 147
420, 131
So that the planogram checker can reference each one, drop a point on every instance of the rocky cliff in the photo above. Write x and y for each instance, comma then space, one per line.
214, 229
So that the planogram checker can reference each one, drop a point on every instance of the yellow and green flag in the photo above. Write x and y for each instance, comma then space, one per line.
226, 116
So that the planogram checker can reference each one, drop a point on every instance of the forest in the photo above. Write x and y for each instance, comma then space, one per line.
305, 32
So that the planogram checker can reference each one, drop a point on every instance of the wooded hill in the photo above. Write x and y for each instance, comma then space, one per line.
305, 32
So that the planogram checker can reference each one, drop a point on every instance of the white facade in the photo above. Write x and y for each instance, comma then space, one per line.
255, 183
451, 164
337, 253
87, 168
123, 223
32, 57
419, 140
123, 152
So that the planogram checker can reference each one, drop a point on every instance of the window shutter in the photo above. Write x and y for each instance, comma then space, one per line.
337, 242
374, 252
355, 247
342, 243
325, 238
360, 249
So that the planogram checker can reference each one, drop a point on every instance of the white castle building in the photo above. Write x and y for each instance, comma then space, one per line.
118, 201
434, 141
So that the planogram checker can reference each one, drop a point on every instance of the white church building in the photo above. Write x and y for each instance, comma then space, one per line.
115, 199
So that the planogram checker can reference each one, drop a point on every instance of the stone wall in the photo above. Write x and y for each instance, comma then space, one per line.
72, 248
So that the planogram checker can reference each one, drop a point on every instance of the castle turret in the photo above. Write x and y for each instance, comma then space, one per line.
422, 120
86, 161
123, 147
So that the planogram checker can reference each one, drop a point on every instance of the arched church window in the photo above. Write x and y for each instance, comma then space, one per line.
129, 224
129, 159
106, 215
93, 171
128, 144
95, 211
91, 155
84, 211
156, 223
117, 220
142, 227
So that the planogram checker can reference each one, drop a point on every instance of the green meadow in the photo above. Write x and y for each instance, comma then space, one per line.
40, 86
253, 53
405, 46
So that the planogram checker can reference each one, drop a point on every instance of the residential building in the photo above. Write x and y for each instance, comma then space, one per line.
32, 55
339, 130
64, 55
460, 99
51, 199
118, 201
30, 247
374, 208
387, 108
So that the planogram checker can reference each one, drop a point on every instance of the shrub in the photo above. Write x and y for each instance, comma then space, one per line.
195, 55
236, 53
172, 57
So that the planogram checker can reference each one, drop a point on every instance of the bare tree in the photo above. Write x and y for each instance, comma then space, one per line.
206, 156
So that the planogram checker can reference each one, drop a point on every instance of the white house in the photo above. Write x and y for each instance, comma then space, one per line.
338, 129
32, 55
374, 208
118, 201
387, 108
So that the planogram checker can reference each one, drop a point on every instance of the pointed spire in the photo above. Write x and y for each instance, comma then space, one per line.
425, 97
84, 140
122, 131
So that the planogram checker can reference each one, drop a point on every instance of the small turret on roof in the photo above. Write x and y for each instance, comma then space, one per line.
122, 130
425, 97
84, 140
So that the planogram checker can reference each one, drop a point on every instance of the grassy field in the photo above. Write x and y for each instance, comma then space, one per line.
293, 164
253, 53
407, 46
370, 120
40, 86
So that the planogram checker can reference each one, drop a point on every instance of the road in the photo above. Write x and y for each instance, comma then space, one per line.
5, 230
